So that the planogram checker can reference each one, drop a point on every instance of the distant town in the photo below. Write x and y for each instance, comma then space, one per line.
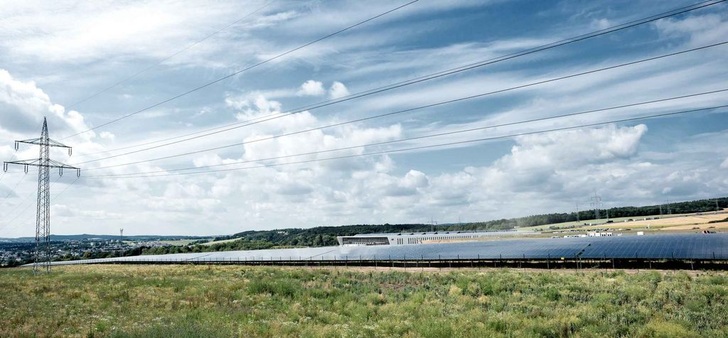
19, 251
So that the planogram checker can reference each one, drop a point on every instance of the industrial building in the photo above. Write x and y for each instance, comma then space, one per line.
418, 237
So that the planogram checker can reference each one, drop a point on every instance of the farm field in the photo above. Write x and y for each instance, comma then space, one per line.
665, 223
233, 301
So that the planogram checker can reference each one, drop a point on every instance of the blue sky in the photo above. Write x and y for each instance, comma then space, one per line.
83, 65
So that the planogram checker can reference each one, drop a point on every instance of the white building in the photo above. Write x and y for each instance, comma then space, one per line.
420, 237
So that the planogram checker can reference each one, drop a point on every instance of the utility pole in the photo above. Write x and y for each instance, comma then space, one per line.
577, 212
596, 201
43, 210
667, 203
121, 235
717, 208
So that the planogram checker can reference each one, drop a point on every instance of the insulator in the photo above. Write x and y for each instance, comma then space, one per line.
70, 151
25, 168
78, 172
60, 171
5, 167
16, 145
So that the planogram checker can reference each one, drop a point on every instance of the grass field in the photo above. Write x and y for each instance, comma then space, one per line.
238, 301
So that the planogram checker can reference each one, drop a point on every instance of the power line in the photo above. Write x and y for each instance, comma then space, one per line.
237, 125
43, 255
10, 192
25, 203
481, 128
28, 198
246, 69
167, 58
651, 116
461, 99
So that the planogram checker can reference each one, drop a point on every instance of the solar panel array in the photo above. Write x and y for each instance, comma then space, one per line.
683, 246
693, 246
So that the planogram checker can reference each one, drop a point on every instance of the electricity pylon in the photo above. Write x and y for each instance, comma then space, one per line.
596, 202
43, 211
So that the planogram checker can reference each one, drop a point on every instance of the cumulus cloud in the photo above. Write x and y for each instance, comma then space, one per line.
516, 177
252, 105
24, 106
574, 147
338, 90
700, 29
107, 135
311, 88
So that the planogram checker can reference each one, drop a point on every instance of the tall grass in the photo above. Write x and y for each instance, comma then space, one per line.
230, 301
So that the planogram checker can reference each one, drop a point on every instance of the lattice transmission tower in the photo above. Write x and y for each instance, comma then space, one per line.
43, 212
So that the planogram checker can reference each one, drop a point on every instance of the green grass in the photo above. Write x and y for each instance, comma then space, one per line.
235, 301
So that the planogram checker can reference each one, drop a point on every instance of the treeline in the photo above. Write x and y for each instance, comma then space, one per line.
326, 235
619, 212
239, 244
315, 237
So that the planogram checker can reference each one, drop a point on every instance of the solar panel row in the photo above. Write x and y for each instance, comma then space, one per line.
685, 246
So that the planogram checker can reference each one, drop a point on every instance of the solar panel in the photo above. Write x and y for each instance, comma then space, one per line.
670, 246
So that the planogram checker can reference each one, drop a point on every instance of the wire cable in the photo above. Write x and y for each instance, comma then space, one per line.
461, 99
10, 192
8, 223
146, 174
451, 71
244, 69
166, 58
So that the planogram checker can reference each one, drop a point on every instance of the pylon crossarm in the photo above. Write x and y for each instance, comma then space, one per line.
39, 141
36, 163
43, 253
56, 164
60, 170
33, 162
28, 141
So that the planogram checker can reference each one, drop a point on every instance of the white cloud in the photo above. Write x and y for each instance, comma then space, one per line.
602, 23
55, 59
700, 29
107, 135
311, 88
252, 106
25, 105
338, 90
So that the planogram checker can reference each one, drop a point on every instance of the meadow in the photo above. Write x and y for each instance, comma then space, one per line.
241, 301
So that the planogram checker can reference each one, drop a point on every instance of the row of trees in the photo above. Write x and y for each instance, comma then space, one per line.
619, 212
326, 236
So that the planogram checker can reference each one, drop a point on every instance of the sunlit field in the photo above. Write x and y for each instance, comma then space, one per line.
239, 301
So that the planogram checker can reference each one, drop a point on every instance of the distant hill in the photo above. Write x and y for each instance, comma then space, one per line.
326, 235
88, 237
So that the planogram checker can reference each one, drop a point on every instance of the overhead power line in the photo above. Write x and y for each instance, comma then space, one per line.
26, 203
237, 125
245, 69
441, 103
167, 172
166, 58
10, 192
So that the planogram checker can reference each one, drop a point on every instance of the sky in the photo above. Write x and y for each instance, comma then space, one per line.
216, 117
